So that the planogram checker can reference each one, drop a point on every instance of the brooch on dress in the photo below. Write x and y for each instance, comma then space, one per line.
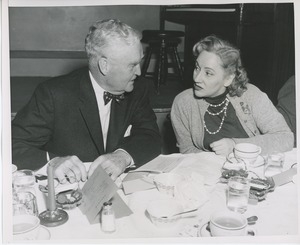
245, 108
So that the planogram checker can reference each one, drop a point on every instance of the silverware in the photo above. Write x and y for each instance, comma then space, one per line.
184, 212
252, 220
146, 170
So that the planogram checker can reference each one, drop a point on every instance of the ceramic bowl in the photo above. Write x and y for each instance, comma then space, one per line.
161, 212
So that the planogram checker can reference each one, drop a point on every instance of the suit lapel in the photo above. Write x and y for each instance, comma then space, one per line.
89, 110
116, 124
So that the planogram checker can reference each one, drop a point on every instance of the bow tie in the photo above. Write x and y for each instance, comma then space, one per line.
107, 96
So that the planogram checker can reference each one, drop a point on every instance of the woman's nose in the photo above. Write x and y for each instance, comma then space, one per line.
197, 76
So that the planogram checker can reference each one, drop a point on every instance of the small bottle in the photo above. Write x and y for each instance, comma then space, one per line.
108, 218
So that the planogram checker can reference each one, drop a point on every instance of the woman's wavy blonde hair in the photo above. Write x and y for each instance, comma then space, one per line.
230, 57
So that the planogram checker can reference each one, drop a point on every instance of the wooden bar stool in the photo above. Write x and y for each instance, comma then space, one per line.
163, 44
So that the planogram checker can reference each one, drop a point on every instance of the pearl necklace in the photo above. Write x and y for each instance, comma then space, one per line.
224, 109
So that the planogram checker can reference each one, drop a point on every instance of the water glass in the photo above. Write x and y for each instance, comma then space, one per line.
238, 194
24, 203
24, 181
274, 164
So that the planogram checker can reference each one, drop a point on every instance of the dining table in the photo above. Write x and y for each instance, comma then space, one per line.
278, 215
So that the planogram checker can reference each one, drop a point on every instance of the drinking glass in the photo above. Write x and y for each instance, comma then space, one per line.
24, 181
24, 203
274, 164
238, 194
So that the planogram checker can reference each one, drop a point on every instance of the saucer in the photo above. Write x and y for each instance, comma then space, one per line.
258, 162
233, 163
44, 234
203, 232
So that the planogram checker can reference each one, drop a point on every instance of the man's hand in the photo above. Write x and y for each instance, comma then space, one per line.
69, 168
114, 163
223, 146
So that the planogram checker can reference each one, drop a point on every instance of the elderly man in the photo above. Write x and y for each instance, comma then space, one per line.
99, 114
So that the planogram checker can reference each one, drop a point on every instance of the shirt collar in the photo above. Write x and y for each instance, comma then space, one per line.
97, 88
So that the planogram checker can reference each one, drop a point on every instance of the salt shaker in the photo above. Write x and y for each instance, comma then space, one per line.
108, 223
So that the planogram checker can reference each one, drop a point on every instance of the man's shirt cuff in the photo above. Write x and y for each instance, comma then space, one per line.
131, 165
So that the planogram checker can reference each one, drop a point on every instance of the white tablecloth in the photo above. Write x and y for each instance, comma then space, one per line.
277, 215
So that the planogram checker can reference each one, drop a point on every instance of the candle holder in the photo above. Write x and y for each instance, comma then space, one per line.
52, 216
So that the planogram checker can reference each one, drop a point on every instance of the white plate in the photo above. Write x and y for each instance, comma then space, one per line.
44, 234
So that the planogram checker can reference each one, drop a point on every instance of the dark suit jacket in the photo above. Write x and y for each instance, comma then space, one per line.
62, 118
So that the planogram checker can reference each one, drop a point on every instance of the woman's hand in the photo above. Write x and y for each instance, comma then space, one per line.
223, 146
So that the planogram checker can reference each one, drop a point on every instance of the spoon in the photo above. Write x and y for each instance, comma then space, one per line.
252, 220
184, 212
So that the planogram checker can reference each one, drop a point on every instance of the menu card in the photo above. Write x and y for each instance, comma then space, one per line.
98, 189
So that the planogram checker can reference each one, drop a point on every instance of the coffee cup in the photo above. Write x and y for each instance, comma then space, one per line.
228, 223
247, 152
25, 227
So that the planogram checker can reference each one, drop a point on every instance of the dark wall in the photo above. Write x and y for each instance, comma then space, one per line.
264, 32
64, 29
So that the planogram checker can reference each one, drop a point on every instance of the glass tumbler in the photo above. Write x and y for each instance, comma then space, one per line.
24, 203
238, 194
24, 181
274, 164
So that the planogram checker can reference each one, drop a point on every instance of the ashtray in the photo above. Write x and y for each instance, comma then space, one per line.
69, 199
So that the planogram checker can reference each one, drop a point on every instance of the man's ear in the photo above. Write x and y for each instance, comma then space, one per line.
103, 65
229, 80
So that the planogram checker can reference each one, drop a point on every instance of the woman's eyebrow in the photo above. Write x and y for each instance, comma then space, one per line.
209, 68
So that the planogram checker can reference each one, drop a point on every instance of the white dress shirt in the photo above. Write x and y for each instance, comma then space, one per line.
104, 110
104, 113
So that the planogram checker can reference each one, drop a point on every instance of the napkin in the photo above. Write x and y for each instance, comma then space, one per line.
190, 191
140, 181
206, 164
134, 182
